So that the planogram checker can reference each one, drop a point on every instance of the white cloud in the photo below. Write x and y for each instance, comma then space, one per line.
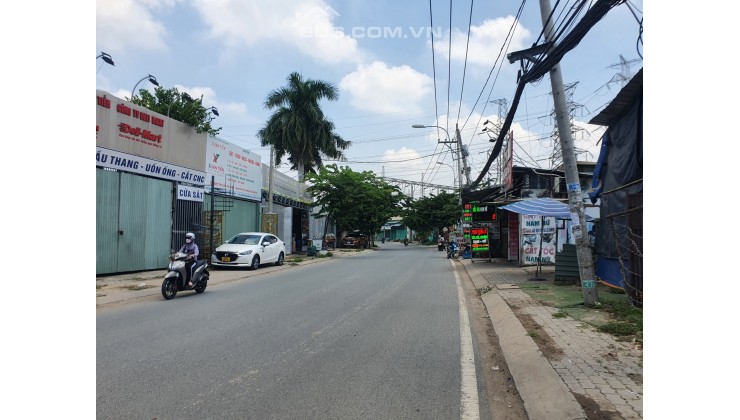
307, 25
122, 25
486, 41
379, 88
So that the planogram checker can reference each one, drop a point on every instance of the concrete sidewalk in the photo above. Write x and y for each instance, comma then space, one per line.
592, 371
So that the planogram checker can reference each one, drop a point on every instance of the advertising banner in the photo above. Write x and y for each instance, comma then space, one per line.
235, 170
479, 238
125, 127
125, 162
533, 229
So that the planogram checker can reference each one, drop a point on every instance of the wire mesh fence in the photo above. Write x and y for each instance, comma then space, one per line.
627, 233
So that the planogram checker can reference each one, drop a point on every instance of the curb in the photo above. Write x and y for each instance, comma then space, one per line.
543, 392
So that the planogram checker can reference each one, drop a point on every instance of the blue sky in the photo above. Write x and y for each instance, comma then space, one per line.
379, 55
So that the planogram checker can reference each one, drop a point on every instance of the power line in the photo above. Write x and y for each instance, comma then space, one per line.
465, 66
449, 70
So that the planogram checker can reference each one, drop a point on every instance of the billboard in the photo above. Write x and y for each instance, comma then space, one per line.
122, 126
234, 170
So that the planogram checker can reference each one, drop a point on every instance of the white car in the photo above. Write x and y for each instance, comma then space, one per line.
250, 249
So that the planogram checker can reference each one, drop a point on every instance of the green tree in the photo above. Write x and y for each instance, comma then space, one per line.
353, 200
299, 128
179, 106
429, 214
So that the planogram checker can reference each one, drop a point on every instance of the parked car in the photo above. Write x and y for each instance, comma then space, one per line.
355, 240
249, 249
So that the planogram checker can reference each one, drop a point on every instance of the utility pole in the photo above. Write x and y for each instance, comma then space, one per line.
575, 196
463, 168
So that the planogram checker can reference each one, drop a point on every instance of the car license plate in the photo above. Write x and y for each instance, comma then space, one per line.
226, 259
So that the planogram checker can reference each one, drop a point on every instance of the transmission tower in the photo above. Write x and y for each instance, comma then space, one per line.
625, 71
503, 109
556, 158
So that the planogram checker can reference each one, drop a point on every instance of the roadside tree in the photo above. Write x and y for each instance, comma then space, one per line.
429, 214
353, 200
179, 106
299, 128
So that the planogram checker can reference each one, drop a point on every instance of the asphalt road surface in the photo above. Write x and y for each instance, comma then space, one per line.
380, 335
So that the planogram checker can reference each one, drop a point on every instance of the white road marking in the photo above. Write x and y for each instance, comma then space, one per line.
469, 408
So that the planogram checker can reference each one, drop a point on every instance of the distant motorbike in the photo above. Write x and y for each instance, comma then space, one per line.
440, 244
452, 250
175, 280
405, 242
382, 240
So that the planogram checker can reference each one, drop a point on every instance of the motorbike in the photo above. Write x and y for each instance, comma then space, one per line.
405, 242
382, 240
440, 244
452, 250
175, 280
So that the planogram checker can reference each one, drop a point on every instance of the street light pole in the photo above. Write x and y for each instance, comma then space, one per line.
454, 179
151, 78
460, 162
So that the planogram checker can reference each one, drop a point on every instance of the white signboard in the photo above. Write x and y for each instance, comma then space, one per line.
533, 231
185, 192
235, 170
125, 162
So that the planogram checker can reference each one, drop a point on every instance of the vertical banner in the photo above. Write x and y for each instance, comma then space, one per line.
533, 230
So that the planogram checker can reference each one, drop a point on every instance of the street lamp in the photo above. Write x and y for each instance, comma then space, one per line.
151, 79
184, 96
106, 57
454, 181
434, 126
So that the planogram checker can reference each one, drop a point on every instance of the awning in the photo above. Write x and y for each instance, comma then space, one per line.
546, 207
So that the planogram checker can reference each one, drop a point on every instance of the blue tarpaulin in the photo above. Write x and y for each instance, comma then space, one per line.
544, 206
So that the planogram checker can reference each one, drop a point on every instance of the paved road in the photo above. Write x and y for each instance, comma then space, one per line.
373, 336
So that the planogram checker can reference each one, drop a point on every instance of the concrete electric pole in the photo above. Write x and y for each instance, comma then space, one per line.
575, 196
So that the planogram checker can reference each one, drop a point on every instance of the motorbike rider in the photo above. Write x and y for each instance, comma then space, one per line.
451, 247
190, 248
405, 241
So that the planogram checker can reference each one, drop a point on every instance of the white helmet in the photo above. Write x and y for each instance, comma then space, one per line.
190, 235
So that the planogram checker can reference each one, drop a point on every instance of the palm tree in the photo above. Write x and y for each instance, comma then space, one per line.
299, 128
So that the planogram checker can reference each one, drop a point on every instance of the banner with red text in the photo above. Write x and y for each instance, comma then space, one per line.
533, 230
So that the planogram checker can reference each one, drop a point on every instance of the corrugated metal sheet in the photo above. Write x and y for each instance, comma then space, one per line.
145, 209
566, 264
133, 222
244, 216
106, 215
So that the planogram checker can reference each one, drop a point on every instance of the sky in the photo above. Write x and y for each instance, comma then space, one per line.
395, 64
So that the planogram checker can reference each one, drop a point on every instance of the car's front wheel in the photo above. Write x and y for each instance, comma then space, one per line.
255, 262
